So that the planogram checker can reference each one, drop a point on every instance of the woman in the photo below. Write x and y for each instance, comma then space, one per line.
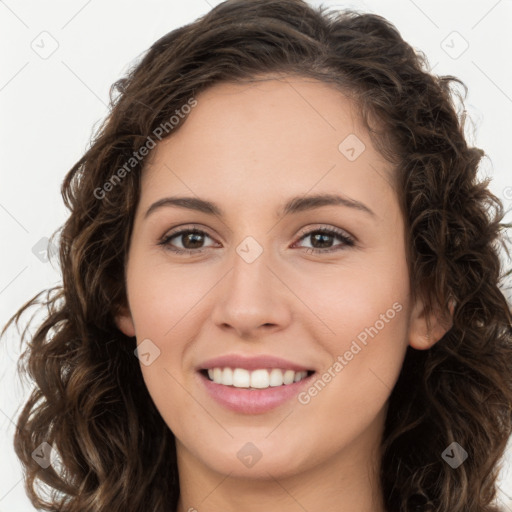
280, 283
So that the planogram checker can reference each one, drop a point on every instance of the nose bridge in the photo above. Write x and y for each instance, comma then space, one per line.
250, 280
251, 296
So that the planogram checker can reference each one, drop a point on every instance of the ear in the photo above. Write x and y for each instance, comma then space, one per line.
420, 336
124, 322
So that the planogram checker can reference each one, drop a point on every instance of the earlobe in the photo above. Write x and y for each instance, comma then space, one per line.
125, 323
420, 336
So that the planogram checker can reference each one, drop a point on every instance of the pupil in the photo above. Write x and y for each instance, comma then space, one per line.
318, 236
195, 238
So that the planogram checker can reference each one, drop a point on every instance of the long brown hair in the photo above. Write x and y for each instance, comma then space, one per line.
90, 402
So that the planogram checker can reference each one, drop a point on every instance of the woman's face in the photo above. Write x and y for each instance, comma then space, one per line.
260, 280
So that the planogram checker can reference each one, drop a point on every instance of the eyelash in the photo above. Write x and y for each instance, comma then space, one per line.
347, 241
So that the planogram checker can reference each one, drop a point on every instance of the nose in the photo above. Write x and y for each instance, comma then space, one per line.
252, 299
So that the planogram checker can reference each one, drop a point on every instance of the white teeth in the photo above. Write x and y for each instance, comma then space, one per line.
289, 375
276, 377
217, 374
260, 379
257, 379
241, 378
227, 376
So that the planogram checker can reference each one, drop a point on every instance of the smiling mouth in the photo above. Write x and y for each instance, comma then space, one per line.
261, 378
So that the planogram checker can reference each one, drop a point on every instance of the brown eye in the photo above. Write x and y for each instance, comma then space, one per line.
322, 240
191, 241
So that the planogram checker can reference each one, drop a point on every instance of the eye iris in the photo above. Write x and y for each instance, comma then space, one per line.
324, 239
195, 238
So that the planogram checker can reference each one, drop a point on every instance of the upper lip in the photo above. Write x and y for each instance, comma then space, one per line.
251, 363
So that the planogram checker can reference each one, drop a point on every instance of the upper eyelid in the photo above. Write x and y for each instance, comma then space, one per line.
185, 229
320, 227
303, 231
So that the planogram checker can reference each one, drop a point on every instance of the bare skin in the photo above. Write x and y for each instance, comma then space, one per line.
249, 148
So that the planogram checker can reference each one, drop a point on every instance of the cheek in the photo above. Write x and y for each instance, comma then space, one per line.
366, 353
361, 321
164, 297
164, 302
346, 299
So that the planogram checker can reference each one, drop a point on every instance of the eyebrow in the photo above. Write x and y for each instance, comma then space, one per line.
293, 205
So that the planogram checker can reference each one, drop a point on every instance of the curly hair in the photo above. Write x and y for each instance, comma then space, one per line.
90, 402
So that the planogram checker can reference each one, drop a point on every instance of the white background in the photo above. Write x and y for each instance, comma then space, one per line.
50, 107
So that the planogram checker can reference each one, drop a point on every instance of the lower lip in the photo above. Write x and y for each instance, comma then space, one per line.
252, 401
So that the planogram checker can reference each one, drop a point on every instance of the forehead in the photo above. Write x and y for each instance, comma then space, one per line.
270, 139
